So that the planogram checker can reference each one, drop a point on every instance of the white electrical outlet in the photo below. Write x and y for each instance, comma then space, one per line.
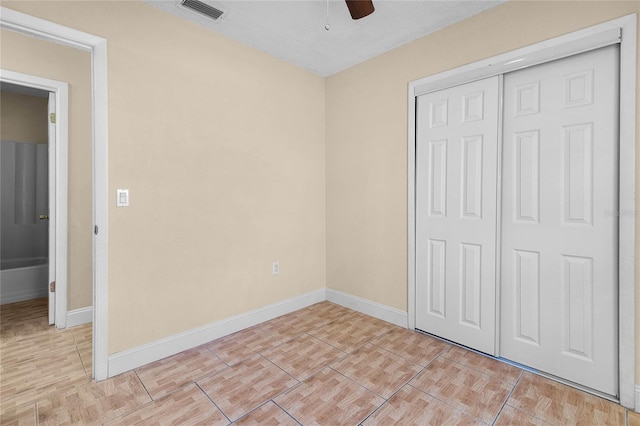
275, 268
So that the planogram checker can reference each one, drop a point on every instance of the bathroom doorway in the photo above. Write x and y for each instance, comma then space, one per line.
24, 253
38, 357
33, 179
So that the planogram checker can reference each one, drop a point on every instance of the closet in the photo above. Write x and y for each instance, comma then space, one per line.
516, 219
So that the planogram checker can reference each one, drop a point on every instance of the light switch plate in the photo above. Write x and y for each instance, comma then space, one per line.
122, 198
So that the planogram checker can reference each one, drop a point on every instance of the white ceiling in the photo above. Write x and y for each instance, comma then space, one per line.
294, 30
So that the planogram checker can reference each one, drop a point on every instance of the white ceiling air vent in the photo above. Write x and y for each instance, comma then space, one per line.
203, 8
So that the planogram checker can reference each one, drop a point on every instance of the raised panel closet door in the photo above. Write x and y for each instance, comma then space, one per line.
456, 154
559, 219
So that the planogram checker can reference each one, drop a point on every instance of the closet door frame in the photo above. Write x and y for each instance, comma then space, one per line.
591, 38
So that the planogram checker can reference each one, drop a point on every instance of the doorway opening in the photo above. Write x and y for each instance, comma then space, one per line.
24, 180
97, 46
33, 180
34, 191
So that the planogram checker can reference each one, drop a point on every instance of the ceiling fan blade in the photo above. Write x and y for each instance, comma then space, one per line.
360, 8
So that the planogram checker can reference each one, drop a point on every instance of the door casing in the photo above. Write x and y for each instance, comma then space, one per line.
576, 42
52, 202
97, 46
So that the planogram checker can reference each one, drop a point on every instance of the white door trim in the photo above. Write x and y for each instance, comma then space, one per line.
52, 201
47, 30
622, 30
58, 166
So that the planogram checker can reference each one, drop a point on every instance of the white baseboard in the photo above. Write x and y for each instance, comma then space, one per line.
79, 316
365, 306
145, 354
637, 402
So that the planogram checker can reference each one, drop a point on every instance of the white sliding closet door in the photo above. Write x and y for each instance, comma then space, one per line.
456, 156
559, 219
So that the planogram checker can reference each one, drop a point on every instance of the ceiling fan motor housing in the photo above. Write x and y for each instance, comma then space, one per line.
360, 8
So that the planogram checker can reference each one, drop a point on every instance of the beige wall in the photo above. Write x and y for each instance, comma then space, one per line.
33, 56
23, 118
367, 136
222, 150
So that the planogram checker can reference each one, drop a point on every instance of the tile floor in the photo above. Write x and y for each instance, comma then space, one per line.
322, 365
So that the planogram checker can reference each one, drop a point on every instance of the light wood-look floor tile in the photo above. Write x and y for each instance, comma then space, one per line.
325, 312
304, 320
24, 319
351, 331
411, 406
303, 356
246, 385
24, 382
36, 359
354, 317
34, 309
329, 398
560, 404
243, 344
268, 414
87, 359
288, 326
168, 374
28, 330
475, 393
186, 406
45, 375
24, 415
499, 370
33, 343
377, 369
24, 348
512, 416
95, 402
412, 345
83, 335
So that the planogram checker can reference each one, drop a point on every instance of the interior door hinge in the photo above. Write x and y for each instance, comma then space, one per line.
52, 117
95, 229
52, 287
